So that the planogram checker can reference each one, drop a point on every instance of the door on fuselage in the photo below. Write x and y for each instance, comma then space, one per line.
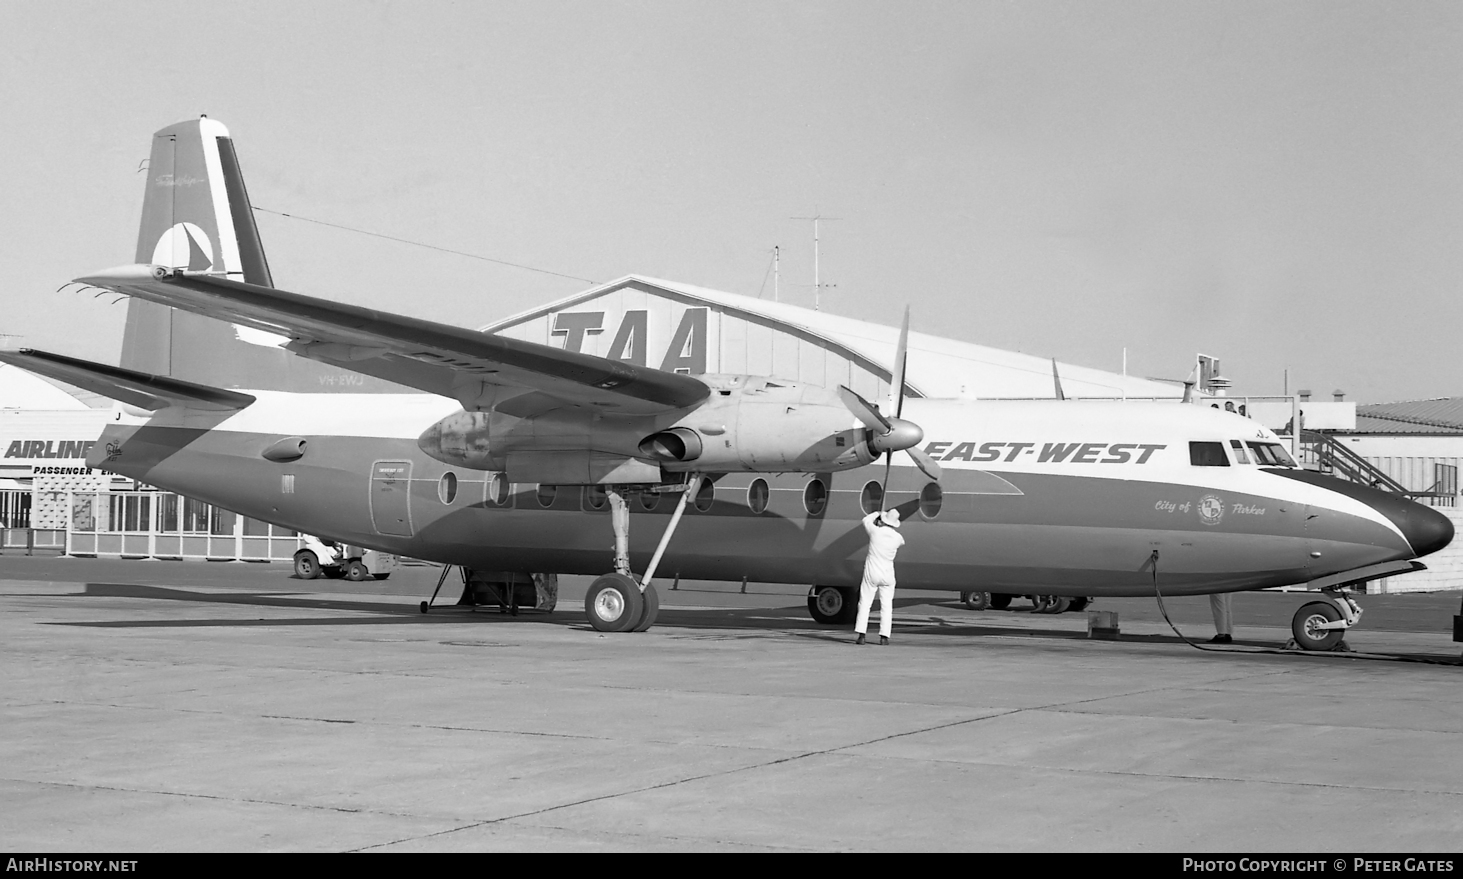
391, 497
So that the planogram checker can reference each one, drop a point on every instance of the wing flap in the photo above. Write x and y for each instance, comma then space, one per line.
434, 357
129, 386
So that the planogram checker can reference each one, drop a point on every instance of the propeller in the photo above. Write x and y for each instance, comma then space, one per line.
894, 434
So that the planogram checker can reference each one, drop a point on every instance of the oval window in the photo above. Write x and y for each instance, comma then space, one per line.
649, 500
498, 490
447, 487
815, 497
595, 497
757, 495
705, 496
872, 497
546, 494
930, 500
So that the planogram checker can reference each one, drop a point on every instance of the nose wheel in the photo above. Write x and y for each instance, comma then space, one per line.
1322, 625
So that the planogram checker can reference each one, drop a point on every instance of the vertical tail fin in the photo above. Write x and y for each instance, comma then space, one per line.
196, 215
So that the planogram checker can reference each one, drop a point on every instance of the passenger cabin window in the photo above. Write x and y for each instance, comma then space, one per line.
1208, 455
1271, 455
757, 496
815, 497
1239, 451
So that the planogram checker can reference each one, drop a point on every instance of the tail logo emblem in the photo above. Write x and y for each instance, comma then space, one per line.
184, 246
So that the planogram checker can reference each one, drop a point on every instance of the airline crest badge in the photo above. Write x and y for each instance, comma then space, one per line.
1211, 509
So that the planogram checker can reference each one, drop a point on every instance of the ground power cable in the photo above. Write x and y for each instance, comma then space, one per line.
1318, 654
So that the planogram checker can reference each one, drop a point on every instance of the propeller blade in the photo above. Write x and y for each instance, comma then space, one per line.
901, 355
924, 462
884, 491
864, 411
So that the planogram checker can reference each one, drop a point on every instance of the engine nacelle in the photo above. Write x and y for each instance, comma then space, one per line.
766, 425
747, 424
460, 439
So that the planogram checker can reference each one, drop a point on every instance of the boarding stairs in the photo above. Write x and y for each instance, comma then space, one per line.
1323, 453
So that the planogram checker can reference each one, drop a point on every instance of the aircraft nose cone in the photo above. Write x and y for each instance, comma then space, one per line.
1427, 530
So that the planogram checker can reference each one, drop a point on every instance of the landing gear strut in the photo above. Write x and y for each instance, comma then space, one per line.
616, 602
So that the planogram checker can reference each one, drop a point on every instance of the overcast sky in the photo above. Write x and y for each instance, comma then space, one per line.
1276, 184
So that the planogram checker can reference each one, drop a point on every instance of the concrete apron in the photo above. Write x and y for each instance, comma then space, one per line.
203, 718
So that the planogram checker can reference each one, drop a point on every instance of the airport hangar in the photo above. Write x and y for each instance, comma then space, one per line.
51, 502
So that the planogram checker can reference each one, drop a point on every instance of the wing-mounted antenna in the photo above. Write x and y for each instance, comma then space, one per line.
1057, 380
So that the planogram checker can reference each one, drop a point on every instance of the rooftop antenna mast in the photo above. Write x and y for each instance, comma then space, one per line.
817, 283
777, 276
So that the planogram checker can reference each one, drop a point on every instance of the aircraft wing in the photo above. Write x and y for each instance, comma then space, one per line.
479, 369
135, 388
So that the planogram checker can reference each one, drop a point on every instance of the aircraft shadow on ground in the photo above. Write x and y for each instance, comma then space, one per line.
727, 623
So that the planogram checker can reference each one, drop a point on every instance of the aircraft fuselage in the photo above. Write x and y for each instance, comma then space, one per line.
1066, 498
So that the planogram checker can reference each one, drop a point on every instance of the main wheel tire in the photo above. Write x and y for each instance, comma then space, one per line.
1304, 626
1041, 603
382, 576
356, 571
977, 600
1080, 603
651, 610
307, 567
614, 603
1001, 600
1060, 605
827, 605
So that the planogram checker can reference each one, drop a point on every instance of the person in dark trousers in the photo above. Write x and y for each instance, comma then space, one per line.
884, 543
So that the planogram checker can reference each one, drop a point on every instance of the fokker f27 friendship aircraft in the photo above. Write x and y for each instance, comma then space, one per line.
503, 455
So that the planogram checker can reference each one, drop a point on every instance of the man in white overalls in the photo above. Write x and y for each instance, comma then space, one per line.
884, 542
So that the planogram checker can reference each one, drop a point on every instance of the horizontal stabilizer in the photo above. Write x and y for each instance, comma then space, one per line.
139, 389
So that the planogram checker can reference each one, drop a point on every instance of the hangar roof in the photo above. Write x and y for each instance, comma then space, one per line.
938, 367
1442, 415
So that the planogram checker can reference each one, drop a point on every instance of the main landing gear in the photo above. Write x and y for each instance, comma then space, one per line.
1039, 603
617, 602
1321, 625
833, 605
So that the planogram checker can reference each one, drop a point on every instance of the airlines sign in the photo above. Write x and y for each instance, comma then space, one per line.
686, 352
34, 449
1045, 453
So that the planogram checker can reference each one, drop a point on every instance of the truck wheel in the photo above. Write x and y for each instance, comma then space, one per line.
307, 567
355, 571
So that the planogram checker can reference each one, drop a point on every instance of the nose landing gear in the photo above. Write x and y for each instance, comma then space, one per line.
1322, 625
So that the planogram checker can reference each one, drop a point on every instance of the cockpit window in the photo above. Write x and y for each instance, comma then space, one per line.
1271, 455
1239, 451
1208, 455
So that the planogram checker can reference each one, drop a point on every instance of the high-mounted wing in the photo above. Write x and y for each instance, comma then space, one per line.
478, 369
131, 387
